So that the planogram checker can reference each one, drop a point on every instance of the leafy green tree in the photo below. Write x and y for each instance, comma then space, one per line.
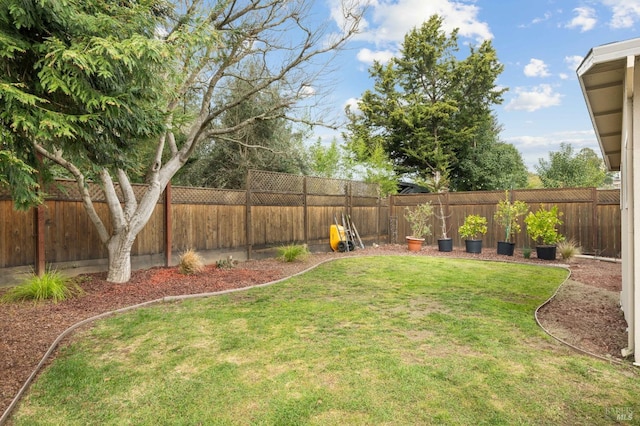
490, 164
85, 82
334, 161
326, 161
565, 169
427, 106
21, 179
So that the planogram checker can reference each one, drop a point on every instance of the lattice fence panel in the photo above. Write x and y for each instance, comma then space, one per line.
261, 181
560, 195
610, 196
185, 195
364, 189
67, 190
64, 190
475, 198
324, 186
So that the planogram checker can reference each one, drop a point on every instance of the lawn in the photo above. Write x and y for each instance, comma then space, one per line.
376, 340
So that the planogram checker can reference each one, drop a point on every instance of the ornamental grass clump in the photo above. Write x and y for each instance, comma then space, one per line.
569, 249
52, 285
191, 263
293, 252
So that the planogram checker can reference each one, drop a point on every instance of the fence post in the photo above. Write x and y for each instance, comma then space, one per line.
40, 243
594, 219
391, 211
305, 211
379, 213
168, 224
249, 230
350, 209
40, 225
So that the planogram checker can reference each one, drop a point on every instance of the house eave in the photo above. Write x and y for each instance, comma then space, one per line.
603, 76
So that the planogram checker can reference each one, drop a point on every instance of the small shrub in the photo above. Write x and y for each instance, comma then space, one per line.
526, 252
227, 263
191, 262
542, 225
568, 249
293, 252
419, 218
52, 285
474, 226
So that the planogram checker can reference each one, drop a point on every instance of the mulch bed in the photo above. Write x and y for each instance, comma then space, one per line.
585, 313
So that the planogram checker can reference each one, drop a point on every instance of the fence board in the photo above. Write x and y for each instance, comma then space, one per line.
18, 236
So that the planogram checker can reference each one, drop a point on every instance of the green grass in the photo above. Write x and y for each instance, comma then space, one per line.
51, 285
381, 340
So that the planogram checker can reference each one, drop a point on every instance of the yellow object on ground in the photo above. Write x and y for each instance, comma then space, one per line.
336, 234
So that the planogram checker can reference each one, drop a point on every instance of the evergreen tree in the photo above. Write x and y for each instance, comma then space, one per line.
427, 106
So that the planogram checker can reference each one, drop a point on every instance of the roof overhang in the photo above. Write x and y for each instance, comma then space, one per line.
606, 79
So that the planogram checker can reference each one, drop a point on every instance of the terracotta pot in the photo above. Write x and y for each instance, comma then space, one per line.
415, 244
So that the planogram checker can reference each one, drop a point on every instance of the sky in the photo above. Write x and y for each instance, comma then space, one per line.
539, 42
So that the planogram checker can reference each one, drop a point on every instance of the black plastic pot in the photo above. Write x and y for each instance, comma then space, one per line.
506, 248
445, 244
546, 252
473, 246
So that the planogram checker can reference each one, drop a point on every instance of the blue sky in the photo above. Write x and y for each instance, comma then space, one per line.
540, 43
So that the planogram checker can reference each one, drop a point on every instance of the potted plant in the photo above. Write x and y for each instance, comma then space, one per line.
542, 228
472, 229
439, 183
508, 216
419, 221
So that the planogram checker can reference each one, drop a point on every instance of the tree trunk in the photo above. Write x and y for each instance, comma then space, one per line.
119, 248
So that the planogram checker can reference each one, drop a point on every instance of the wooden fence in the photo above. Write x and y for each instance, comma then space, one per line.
591, 217
278, 209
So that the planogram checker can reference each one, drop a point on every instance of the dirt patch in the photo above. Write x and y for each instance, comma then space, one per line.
585, 312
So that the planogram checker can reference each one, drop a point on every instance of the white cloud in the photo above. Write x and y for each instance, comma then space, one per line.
352, 103
547, 16
625, 12
536, 68
368, 56
573, 62
388, 21
306, 91
538, 97
538, 20
585, 19
563, 76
